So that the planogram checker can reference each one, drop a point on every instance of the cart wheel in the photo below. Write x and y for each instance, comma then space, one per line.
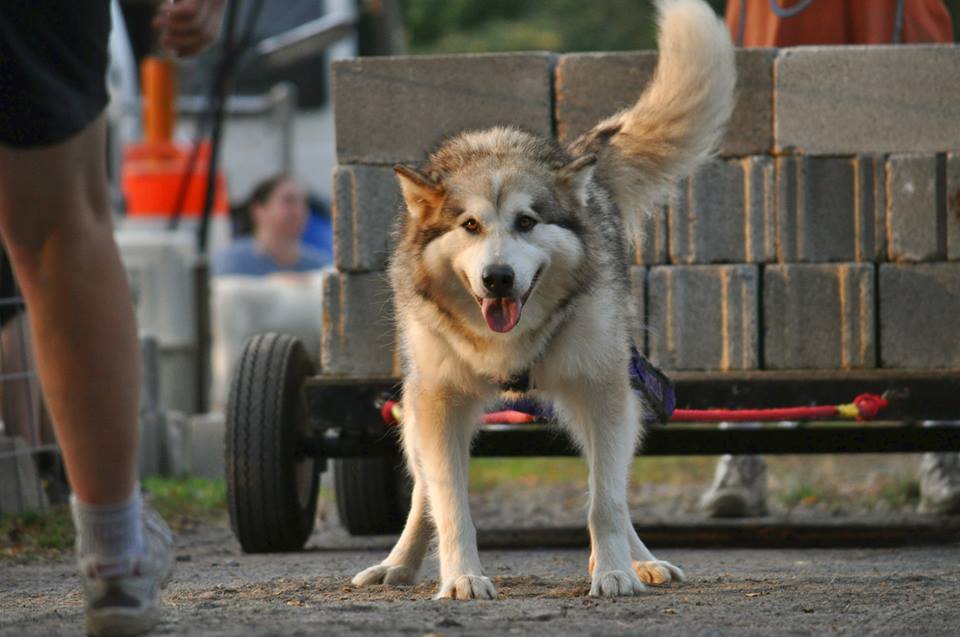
373, 494
271, 482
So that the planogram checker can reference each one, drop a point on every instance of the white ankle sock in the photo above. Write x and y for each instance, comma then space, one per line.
110, 531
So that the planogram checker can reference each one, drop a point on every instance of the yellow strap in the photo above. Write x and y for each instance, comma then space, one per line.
848, 411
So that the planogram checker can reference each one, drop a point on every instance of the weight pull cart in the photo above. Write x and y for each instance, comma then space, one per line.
284, 423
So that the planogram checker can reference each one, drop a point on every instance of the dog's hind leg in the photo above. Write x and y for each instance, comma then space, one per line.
648, 568
604, 418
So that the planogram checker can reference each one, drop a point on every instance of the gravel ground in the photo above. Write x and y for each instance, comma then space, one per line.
220, 591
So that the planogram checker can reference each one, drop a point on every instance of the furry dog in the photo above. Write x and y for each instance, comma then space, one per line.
512, 260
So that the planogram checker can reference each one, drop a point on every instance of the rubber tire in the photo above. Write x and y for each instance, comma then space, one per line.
266, 418
373, 494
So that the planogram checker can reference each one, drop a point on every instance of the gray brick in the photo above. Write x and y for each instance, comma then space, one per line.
653, 248
725, 213
819, 316
366, 202
20, 487
638, 320
358, 337
915, 220
704, 317
395, 109
827, 209
591, 86
867, 99
871, 207
919, 306
952, 197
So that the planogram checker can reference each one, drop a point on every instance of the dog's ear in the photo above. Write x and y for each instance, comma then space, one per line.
423, 195
575, 175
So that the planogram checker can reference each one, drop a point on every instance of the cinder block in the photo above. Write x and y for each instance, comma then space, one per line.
704, 317
366, 202
953, 206
20, 487
919, 310
827, 209
358, 336
867, 99
591, 86
819, 316
916, 223
870, 195
638, 320
725, 213
654, 247
395, 109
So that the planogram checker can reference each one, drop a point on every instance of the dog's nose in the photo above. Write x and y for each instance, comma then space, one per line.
498, 280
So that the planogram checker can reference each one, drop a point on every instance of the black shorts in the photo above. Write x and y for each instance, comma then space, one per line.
53, 69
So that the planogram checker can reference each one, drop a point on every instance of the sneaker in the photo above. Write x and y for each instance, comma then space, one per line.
739, 488
122, 597
940, 484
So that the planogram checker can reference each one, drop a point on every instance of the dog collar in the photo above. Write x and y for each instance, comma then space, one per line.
653, 385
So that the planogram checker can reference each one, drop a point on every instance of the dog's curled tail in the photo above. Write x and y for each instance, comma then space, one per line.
679, 118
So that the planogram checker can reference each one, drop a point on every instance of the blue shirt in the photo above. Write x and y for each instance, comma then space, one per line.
243, 257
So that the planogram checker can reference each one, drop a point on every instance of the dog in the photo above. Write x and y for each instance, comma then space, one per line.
512, 260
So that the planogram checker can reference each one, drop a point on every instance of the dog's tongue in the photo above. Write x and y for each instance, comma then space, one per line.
501, 315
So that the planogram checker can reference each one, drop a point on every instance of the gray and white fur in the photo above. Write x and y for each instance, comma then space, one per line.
512, 258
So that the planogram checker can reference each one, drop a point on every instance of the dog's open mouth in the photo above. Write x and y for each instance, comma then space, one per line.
503, 313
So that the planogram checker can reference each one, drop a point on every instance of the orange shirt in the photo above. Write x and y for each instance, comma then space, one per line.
839, 22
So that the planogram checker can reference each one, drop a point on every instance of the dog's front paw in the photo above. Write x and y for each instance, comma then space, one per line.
385, 574
467, 587
658, 572
616, 584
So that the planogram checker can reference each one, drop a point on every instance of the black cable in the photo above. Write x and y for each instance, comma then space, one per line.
223, 74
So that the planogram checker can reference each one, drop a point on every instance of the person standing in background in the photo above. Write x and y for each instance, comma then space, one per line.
57, 226
739, 488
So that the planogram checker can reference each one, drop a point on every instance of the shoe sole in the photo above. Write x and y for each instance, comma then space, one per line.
122, 622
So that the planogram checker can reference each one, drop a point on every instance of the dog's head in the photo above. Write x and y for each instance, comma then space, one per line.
496, 223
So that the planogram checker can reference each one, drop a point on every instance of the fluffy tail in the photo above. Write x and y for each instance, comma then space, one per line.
677, 122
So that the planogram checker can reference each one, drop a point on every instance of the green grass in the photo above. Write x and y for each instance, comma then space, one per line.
487, 473
48, 534
901, 491
193, 498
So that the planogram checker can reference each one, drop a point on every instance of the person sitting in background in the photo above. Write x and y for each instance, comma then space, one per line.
270, 234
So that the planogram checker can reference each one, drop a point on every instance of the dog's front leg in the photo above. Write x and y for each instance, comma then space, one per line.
604, 419
442, 426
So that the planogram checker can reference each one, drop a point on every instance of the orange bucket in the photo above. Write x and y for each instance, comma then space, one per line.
152, 178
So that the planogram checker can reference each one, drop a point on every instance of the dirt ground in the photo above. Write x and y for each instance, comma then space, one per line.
744, 591
220, 591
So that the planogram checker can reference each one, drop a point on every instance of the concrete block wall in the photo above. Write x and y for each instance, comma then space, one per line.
824, 235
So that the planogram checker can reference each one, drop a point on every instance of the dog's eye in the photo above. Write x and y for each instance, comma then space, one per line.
525, 223
471, 225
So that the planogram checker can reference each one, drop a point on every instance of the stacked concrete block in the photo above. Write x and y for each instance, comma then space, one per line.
828, 209
20, 487
358, 335
592, 86
654, 247
704, 317
835, 161
859, 99
920, 315
396, 109
952, 203
725, 213
819, 316
366, 202
916, 219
